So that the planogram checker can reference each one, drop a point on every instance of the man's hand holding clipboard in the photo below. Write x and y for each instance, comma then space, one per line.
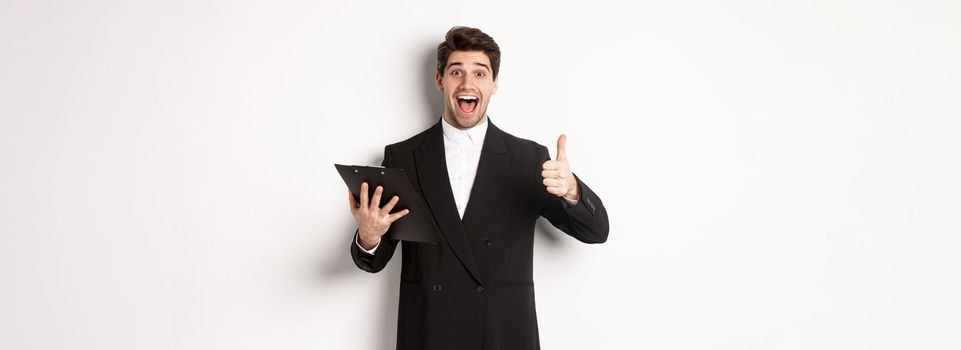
373, 222
394, 209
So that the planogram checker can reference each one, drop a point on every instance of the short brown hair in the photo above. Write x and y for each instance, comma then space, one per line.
468, 39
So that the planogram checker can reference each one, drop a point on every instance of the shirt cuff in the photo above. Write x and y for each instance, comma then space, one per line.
357, 242
569, 202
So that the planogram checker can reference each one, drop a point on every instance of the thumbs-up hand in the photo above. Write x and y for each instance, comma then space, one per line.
558, 178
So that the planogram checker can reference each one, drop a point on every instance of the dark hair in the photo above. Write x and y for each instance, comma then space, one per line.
468, 39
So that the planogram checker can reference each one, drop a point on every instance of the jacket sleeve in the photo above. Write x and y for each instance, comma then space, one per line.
377, 261
586, 221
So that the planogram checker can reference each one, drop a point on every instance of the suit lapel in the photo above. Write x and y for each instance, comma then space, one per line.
432, 173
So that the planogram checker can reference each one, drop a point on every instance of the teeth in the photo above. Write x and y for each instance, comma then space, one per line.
469, 98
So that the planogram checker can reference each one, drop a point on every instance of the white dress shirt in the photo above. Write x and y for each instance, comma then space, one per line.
463, 150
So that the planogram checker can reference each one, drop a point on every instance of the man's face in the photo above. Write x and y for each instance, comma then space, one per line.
467, 84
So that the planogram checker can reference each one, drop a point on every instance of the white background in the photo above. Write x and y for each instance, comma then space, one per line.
779, 175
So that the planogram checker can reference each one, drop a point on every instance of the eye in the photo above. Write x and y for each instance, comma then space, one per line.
481, 74
456, 73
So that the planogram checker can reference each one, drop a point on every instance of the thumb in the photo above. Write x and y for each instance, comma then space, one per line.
561, 147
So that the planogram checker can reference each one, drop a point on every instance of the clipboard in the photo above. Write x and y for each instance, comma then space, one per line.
416, 226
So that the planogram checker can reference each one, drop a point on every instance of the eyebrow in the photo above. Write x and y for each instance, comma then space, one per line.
461, 64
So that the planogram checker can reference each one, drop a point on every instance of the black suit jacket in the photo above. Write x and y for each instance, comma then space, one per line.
475, 290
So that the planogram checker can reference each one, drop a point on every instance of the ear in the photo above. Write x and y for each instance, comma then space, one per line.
440, 84
494, 90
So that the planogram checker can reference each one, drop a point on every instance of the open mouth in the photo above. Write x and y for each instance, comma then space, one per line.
467, 104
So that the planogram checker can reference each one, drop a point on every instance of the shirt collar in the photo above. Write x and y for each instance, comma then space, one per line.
475, 134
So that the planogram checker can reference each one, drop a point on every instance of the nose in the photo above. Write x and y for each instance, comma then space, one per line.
468, 80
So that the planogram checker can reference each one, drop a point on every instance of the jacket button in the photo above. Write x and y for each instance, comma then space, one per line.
480, 289
437, 288
487, 242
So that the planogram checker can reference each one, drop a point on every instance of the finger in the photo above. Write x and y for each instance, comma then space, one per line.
375, 200
551, 174
562, 147
393, 217
555, 191
549, 182
551, 165
363, 195
351, 200
389, 206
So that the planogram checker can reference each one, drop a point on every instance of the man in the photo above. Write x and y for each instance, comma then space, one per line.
485, 190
